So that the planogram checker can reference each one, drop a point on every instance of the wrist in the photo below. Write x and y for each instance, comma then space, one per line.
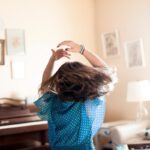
52, 58
82, 49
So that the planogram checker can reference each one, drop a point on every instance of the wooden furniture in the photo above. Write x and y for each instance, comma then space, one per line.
23, 132
21, 129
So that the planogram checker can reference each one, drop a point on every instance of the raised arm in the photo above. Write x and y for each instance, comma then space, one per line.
94, 60
56, 55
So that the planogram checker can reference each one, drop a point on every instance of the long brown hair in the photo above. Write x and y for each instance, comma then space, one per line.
77, 82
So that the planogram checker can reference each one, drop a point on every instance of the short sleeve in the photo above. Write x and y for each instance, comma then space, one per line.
96, 112
44, 105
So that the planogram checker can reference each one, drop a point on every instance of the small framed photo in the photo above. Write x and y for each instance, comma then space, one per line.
110, 44
134, 53
15, 42
17, 69
2, 53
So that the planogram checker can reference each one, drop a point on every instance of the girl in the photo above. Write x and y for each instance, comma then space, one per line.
71, 100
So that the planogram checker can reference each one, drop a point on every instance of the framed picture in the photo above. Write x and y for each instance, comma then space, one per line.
2, 61
17, 69
110, 43
134, 53
15, 42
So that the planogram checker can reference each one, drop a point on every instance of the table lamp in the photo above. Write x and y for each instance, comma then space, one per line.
139, 91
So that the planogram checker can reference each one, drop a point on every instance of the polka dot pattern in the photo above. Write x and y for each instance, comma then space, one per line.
72, 125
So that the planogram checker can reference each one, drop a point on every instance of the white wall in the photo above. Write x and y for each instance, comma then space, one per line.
131, 18
46, 23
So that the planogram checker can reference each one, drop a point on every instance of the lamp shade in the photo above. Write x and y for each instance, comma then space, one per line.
138, 91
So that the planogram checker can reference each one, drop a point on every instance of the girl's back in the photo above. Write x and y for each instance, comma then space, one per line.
72, 125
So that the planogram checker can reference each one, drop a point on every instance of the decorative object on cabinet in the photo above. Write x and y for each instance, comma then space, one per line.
134, 53
110, 43
15, 41
2, 53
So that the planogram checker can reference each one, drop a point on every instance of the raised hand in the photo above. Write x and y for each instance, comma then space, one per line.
59, 53
73, 47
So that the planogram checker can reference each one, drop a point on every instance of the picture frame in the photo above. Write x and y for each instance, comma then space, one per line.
2, 53
15, 41
17, 69
110, 44
134, 54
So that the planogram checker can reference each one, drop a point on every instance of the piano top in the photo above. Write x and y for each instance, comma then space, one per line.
23, 127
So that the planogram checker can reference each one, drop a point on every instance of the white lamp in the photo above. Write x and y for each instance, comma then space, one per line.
139, 91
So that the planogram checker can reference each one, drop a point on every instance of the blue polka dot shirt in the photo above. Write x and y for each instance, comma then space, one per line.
71, 125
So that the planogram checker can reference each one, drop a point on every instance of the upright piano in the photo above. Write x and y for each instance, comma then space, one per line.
20, 128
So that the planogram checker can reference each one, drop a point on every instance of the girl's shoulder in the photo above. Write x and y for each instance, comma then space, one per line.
44, 104
96, 101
